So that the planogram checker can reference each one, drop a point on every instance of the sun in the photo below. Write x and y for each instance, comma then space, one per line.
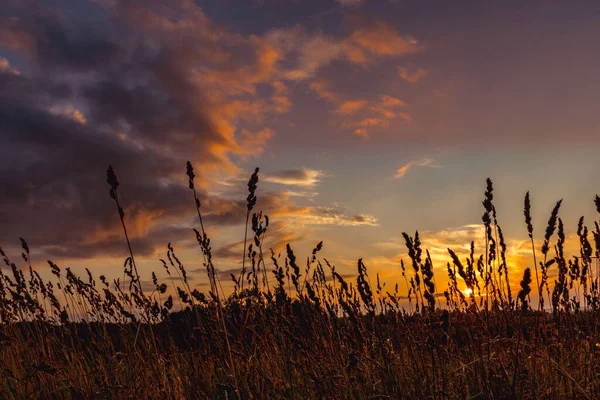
468, 291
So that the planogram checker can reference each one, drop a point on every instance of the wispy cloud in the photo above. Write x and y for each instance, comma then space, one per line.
363, 115
306, 52
425, 162
305, 194
328, 215
68, 111
323, 90
303, 177
412, 75
5, 67
387, 105
381, 113
368, 43
351, 107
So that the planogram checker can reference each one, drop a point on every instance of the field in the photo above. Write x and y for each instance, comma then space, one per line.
295, 330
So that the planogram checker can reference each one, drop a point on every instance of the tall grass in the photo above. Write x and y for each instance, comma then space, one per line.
292, 332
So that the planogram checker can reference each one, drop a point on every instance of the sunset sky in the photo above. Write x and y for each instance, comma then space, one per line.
367, 119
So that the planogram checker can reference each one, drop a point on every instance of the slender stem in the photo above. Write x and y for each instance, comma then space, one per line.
537, 280
211, 269
265, 275
244, 252
213, 284
137, 275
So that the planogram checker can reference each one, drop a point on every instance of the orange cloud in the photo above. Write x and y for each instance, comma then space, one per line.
380, 112
70, 112
267, 57
279, 207
139, 222
390, 101
365, 123
350, 107
361, 132
322, 89
281, 101
306, 53
254, 142
304, 177
378, 40
386, 105
325, 216
371, 122
314, 52
14, 37
425, 162
5, 67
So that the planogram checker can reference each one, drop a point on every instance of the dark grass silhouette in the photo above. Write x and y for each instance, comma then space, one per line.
292, 332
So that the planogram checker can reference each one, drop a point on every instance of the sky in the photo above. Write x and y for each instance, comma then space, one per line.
367, 119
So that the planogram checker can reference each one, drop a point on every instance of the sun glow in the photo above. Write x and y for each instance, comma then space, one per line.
468, 291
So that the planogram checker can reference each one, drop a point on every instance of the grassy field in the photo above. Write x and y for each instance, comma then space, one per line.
303, 331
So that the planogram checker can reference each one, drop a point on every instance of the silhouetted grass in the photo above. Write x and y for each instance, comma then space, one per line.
292, 332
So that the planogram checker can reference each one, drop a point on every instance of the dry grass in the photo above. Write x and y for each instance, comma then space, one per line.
304, 332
